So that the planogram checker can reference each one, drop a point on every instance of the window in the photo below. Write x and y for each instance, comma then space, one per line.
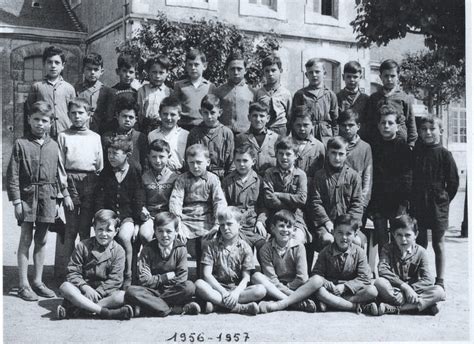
74, 3
457, 123
275, 9
202, 4
272, 4
324, 12
327, 7
332, 80
33, 69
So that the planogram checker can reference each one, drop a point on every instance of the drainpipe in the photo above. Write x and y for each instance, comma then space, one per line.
125, 11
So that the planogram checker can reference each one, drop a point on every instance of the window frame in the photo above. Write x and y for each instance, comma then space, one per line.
263, 11
313, 16
33, 58
210, 5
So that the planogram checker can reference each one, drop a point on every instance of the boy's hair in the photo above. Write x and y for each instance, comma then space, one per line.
210, 101
229, 212
301, 111
346, 220
43, 108
387, 109
106, 215
314, 61
79, 102
120, 142
235, 55
53, 51
389, 64
271, 60
432, 119
159, 145
336, 142
403, 221
94, 59
194, 53
196, 149
170, 101
124, 103
283, 215
164, 218
352, 67
161, 60
285, 143
126, 61
347, 115
259, 107
246, 148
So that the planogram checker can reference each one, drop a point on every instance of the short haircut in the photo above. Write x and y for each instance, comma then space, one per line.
403, 221
314, 61
53, 51
42, 107
283, 215
336, 142
210, 101
259, 107
236, 55
432, 119
170, 101
246, 148
159, 145
125, 103
347, 220
271, 60
386, 110
285, 143
352, 67
224, 213
94, 59
389, 64
161, 60
164, 218
347, 115
79, 102
106, 215
194, 53
301, 111
120, 142
196, 149
126, 61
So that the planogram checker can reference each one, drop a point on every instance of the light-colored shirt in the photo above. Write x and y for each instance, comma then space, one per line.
81, 150
149, 99
177, 139
279, 102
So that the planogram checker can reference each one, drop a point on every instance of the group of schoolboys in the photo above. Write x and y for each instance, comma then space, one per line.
220, 172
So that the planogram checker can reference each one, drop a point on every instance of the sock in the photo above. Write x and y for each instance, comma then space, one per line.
104, 313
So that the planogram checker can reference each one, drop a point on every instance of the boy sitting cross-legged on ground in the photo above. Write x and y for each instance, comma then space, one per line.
405, 281
162, 272
95, 274
227, 265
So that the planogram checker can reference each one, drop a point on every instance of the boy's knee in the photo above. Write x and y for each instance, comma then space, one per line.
260, 291
257, 277
371, 291
132, 292
200, 285
189, 289
381, 284
316, 282
65, 288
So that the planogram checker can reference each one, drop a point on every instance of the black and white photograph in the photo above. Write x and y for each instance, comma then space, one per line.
236, 171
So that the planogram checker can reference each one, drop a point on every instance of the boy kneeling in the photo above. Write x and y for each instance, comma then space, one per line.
95, 274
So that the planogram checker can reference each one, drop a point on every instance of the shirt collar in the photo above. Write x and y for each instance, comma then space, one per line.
241, 83
60, 79
337, 252
286, 172
291, 243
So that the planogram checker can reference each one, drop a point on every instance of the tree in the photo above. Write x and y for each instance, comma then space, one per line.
216, 39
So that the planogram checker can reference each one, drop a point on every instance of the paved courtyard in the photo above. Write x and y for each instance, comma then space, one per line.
25, 322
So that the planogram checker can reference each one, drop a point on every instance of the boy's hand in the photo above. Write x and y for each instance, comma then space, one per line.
329, 226
19, 211
260, 229
90, 293
339, 289
231, 300
410, 295
68, 204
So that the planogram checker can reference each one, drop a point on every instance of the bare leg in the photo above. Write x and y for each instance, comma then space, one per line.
252, 293
205, 291
438, 247
125, 238
334, 301
74, 295
41, 236
364, 295
115, 300
146, 231
26, 237
272, 290
385, 291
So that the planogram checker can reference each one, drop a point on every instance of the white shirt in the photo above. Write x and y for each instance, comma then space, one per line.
177, 139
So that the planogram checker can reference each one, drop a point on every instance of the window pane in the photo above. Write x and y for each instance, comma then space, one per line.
252, 1
38, 75
327, 7
29, 63
28, 75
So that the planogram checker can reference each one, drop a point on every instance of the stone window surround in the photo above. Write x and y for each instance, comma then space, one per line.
210, 5
313, 17
256, 10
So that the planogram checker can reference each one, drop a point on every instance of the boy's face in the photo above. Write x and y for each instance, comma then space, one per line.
157, 75
126, 119
337, 157
348, 129
117, 157
53, 66
170, 116
126, 75
243, 163
211, 117
92, 72
198, 164
272, 74
158, 160
351, 80
302, 127
195, 68
105, 232
40, 124
236, 71
166, 234
343, 237
405, 238
315, 74
258, 119
229, 228
282, 232
388, 127
79, 116
430, 133
389, 78
285, 158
